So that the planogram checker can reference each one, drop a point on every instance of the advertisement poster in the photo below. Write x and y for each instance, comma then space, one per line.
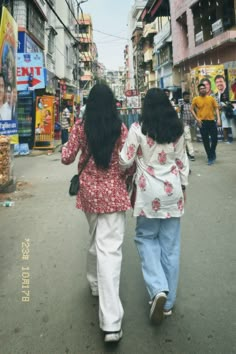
44, 120
206, 74
232, 84
8, 90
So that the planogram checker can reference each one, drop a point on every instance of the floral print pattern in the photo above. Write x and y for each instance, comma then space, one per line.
156, 204
150, 141
174, 170
162, 157
130, 151
180, 204
142, 213
142, 183
151, 171
168, 187
179, 163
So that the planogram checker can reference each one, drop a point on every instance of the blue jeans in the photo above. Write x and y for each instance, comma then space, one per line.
158, 243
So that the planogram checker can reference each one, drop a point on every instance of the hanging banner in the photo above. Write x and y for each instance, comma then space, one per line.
30, 71
44, 121
206, 74
232, 84
8, 91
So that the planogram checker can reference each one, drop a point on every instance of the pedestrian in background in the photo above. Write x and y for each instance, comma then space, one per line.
188, 122
207, 82
65, 125
204, 108
83, 108
104, 199
157, 145
226, 121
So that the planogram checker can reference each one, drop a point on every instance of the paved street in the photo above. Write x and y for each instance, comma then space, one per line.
45, 303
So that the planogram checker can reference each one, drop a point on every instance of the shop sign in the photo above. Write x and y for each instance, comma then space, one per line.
30, 71
26, 44
130, 93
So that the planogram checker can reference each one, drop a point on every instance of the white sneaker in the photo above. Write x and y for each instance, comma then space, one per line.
113, 336
157, 308
94, 292
167, 313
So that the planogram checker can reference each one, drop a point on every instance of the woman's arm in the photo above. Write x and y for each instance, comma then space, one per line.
129, 150
71, 148
182, 161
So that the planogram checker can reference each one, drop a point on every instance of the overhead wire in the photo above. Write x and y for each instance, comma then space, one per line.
111, 35
60, 20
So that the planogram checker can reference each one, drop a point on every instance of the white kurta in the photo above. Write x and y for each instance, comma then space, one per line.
161, 170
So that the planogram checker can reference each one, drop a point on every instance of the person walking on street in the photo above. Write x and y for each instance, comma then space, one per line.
157, 145
227, 122
204, 108
83, 108
104, 199
65, 125
188, 122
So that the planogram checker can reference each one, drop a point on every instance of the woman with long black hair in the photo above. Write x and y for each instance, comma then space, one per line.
104, 199
157, 146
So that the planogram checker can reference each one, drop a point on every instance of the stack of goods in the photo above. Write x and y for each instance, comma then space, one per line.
5, 160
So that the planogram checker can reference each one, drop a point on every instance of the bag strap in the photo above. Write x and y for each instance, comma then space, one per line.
84, 164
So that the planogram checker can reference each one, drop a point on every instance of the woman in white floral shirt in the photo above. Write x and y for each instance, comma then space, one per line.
157, 146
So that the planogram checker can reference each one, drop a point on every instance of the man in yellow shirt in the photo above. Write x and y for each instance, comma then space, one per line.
204, 108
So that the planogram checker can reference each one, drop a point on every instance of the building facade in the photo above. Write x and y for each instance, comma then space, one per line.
203, 33
87, 54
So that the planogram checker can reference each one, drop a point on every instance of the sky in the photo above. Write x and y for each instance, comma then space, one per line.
111, 17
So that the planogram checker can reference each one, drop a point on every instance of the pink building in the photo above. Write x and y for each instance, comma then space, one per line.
203, 33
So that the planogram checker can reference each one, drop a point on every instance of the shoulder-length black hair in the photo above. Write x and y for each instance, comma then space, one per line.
159, 119
102, 124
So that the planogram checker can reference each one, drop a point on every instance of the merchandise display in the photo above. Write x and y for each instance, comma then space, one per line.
5, 160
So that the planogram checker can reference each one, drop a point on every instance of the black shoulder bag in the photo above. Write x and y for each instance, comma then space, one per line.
74, 183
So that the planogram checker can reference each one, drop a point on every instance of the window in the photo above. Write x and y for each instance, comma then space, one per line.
83, 29
36, 23
84, 47
182, 22
164, 55
212, 18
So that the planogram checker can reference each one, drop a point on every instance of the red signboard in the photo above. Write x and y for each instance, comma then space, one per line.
130, 93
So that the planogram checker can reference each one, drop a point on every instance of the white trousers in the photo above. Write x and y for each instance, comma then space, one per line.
104, 266
188, 140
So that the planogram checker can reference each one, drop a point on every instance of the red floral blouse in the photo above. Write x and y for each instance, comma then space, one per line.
101, 191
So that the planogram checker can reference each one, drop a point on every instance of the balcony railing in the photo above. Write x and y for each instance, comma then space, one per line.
148, 55
161, 36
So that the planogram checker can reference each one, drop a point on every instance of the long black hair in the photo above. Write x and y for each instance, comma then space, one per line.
102, 124
159, 119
